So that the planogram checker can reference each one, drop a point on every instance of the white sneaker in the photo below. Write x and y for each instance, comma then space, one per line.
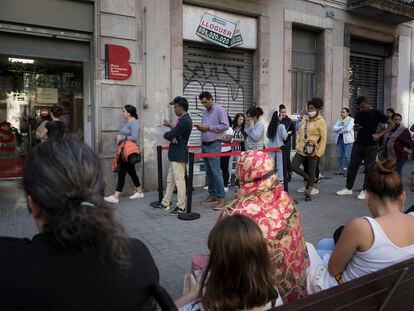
344, 191
205, 188
226, 189
314, 191
301, 190
111, 199
137, 195
361, 195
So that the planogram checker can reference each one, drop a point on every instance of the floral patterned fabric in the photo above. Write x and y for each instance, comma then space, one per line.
261, 198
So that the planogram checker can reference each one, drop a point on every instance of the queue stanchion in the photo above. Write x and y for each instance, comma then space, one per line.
188, 215
285, 172
160, 180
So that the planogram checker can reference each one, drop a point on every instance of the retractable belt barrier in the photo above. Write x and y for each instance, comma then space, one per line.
188, 215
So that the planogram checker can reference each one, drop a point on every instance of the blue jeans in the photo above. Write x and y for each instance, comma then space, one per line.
213, 171
278, 158
325, 246
344, 154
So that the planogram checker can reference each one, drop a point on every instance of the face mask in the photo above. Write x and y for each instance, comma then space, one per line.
312, 113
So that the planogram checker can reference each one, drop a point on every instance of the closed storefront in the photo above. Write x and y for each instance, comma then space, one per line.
226, 73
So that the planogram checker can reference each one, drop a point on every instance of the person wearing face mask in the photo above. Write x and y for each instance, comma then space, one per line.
310, 144
397, 144
290, 128
344, 129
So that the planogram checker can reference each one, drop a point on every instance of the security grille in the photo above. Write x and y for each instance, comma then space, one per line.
366, 78
226, 73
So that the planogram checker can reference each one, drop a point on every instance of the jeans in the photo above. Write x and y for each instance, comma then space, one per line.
124, 168
325, 247
278, 158
367, 153
213, 171
344, 154
312, 163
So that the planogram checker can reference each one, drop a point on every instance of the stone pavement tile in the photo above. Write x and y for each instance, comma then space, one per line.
172, 242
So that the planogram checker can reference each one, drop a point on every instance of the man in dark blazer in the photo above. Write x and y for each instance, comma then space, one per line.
177, 155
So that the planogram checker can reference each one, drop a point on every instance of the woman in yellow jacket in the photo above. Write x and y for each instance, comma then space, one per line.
310, 144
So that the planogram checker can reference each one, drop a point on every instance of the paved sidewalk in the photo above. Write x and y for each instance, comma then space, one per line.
172, 242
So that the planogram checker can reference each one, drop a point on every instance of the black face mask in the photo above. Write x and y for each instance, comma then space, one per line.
397, 125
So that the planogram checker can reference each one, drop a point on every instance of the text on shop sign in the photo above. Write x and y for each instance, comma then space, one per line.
219, 31
117, 66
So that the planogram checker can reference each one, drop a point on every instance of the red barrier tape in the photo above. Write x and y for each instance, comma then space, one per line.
199, 147
229, 154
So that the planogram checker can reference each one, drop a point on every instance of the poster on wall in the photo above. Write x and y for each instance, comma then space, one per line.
219, 31
117, 65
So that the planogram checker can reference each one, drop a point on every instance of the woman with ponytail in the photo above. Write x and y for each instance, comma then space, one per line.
81, 259
369, 244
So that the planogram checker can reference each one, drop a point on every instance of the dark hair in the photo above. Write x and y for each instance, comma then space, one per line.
361, 99
236, 120
346, 109
57, 111
274, 123
131, 110
281, 106
316, 102
181, 101
206, 95
65, 179
391, 110
238, 274
254, 112
397, 115
384, 181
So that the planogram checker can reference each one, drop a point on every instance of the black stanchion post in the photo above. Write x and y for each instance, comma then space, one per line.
160, 181
285, 172
188, 215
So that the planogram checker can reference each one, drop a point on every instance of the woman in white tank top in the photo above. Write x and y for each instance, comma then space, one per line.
369, 244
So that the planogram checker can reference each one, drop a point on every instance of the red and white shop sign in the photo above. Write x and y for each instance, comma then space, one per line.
117, 66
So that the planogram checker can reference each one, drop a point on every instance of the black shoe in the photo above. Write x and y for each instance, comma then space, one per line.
177, 211
308, 198
163, 207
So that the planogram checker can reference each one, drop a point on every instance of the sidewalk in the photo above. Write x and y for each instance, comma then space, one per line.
172, 242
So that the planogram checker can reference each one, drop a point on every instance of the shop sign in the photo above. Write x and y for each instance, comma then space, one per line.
117, 66
219, 31
46, 95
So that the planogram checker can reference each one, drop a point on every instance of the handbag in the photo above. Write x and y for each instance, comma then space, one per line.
310, 146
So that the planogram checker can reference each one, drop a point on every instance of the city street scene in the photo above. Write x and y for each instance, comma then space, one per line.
206, 155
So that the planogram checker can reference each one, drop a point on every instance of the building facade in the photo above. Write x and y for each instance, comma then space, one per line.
245, 52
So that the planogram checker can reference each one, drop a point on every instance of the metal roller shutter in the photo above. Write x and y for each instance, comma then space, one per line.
226, 73
366, 78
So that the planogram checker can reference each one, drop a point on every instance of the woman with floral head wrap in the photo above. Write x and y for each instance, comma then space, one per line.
262, 198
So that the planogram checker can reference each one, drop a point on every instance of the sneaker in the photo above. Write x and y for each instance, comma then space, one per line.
344, 191
344, 173
163, 207
226, 189
176, 211
301, 190
220, 205
205, 187
209, 200
314, 191
361, 195
308, 198
137, 195
111, 199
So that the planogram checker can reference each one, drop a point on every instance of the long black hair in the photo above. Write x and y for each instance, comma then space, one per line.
274, 123
236, 120
65, 179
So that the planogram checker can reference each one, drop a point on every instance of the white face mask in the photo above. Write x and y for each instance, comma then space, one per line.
312, 113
